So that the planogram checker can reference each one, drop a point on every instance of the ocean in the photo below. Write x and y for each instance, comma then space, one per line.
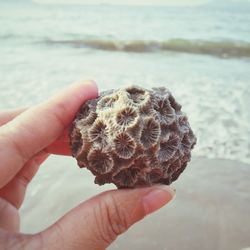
201, 53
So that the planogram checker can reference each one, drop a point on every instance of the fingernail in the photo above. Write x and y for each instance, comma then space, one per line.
89, 89
157, 198
91, 83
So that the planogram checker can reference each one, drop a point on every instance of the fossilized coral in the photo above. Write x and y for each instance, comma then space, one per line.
132, 137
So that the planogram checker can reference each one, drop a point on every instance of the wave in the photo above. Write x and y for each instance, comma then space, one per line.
6, 36
214, 48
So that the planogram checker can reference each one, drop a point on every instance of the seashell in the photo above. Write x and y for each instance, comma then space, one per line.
126, 117
132, 137
166, 114
168, 147
124, 145
99, 162
150, 133
174, 104
76, 141
138, 96
89, 118
107, 102
127, 177
155, 175
98, 133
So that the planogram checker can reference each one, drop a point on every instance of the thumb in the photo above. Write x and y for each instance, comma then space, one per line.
96, 223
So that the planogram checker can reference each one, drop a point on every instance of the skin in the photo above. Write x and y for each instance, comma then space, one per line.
26, 141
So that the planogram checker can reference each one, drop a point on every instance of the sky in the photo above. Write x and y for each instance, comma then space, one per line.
129, 2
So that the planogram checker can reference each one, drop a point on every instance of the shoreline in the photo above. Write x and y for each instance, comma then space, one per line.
211, 210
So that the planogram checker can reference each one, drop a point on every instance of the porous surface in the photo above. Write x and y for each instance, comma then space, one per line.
132, 137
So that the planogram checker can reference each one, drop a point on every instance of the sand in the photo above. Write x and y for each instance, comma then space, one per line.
211, 210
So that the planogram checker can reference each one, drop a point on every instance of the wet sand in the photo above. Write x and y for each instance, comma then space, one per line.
211, 210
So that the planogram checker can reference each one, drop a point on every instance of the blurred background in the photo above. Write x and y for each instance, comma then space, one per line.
199, 49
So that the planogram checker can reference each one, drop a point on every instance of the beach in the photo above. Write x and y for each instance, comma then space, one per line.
210, 211
201, 53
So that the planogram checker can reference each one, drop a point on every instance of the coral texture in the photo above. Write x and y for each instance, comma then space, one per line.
132, 137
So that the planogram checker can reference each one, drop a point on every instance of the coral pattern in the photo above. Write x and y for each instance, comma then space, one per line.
132, 137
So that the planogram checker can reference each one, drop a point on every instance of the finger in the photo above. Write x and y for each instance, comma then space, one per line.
61, 145
8, 115
59, 148
14, 191
38, 127
96, 223
9, 218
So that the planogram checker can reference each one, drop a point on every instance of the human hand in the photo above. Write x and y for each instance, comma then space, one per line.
27, 138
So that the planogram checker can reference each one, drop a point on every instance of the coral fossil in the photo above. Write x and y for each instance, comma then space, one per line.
132, 137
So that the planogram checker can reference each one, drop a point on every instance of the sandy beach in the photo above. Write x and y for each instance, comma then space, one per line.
211, 210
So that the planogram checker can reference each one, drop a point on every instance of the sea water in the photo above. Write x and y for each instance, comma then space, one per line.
201, 53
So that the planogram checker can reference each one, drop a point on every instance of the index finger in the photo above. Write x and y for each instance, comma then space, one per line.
38, 127
60, 146
8, 115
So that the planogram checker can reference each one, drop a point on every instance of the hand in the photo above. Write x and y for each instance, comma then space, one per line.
27, 138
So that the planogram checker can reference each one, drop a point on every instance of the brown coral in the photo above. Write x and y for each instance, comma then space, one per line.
124, 145
150, 133
132, 137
